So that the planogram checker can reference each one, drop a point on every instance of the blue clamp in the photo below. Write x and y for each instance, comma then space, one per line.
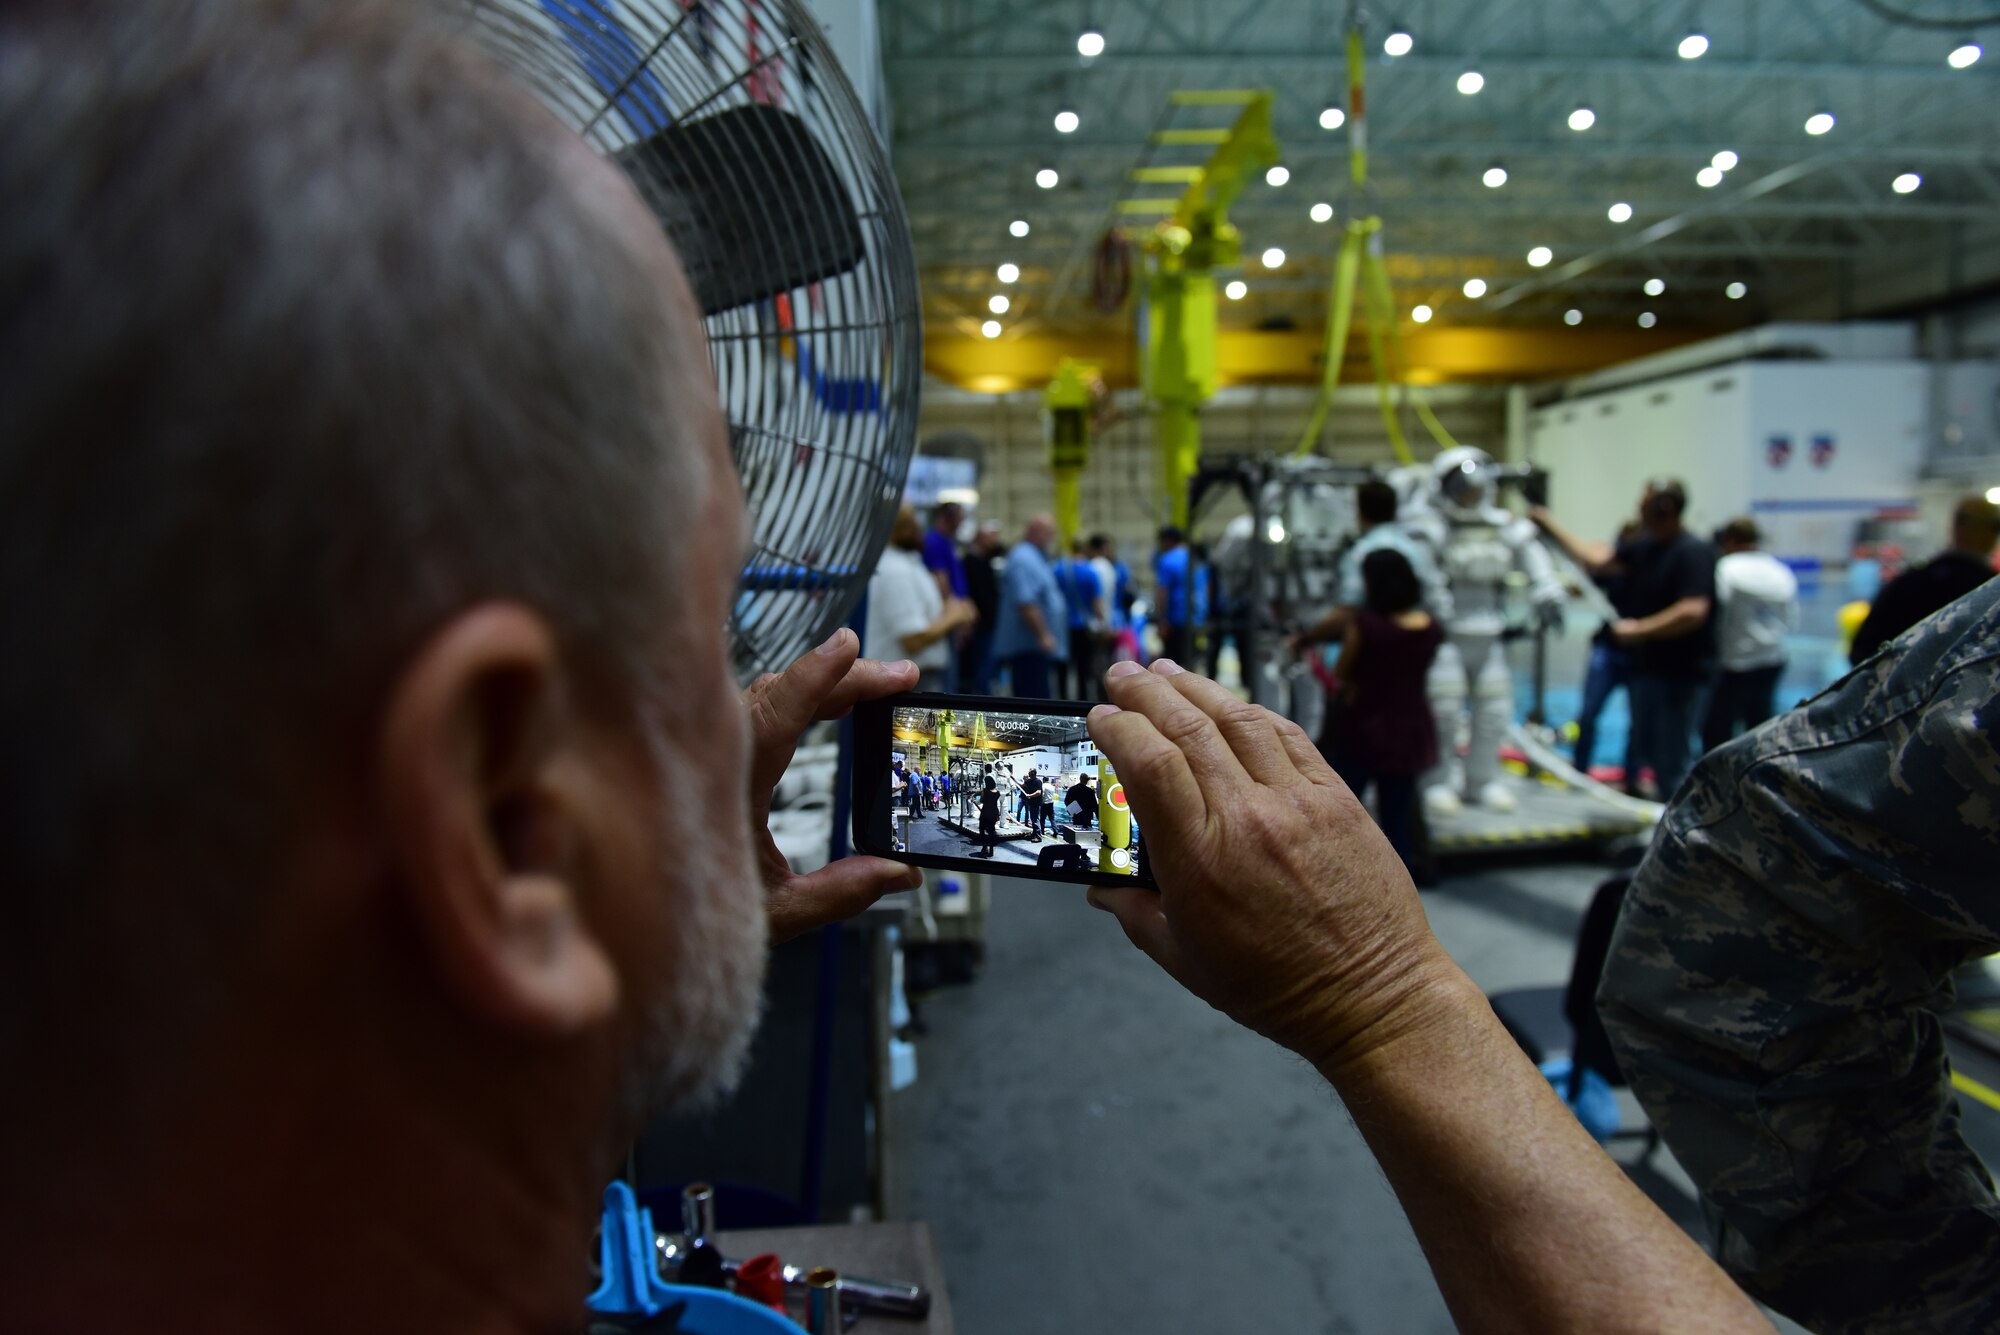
626, 1251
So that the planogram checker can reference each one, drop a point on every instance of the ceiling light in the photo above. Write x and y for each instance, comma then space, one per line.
1693, 46
1090, 42
991, 329
1474, 288
1019, 227
1398, 43
1647, 319
1471, 82
1725, 160
998, 303
1572, 316
1332, 118
1582, 119
1993, 495
1237, 289
1046, 178
1964, 55
1278, 175
1735, 291
1421, 314
1494, 176
1273, 258
1819, 122
1905, 183
1066, 121
1008, 272
1708, 177
1540, 256
1655, 286
1619, 212
1322, 212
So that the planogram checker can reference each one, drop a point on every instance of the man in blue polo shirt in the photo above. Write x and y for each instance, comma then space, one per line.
1089, 621
941, 558
1030, 637
1182, 598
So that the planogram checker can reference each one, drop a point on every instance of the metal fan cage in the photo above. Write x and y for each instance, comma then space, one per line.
739, 127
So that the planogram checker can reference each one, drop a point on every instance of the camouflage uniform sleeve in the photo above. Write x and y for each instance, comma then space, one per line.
1774, 983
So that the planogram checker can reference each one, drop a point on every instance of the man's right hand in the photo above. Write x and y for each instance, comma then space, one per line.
1047, 641
1280, 903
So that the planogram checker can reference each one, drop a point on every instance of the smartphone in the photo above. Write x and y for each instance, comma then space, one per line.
984, 783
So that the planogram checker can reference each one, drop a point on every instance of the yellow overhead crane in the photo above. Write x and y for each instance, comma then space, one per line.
1177, 358
1435, 353
1068, 404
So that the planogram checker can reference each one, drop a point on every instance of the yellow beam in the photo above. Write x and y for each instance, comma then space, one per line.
958, 743
1148, 205
1215, 97
1167, 175
1431, 355
1171, 138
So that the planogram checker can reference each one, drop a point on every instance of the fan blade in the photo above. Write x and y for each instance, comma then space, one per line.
751, 201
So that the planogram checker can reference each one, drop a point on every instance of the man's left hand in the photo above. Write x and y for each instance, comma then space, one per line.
1626, 631
824, 684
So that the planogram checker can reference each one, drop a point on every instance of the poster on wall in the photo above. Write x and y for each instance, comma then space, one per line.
932, 482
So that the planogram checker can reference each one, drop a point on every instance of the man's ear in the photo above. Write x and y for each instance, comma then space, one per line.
480, 835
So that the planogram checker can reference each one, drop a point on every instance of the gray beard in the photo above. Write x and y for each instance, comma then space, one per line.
695, 1040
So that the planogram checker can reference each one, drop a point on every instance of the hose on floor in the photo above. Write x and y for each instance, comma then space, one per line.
1546, 757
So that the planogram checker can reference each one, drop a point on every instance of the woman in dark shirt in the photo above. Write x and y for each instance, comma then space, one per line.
989, 819
1386, 734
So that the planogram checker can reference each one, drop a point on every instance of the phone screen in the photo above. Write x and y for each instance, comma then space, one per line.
1013, 787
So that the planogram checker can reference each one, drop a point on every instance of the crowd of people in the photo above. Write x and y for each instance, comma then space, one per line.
921, 791
1699, 641
1038, 802
1040, 622
388, 836
1041, 804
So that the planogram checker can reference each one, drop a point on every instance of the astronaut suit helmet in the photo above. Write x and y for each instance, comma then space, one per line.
1463, 478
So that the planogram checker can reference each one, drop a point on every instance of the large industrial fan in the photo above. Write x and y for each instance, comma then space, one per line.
744, 135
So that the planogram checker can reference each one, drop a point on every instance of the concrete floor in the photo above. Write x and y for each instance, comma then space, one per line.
1097, 1151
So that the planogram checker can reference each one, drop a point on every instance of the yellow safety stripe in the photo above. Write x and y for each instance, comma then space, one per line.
1966, 1085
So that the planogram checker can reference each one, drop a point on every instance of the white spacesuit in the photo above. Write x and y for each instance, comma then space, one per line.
1477, 545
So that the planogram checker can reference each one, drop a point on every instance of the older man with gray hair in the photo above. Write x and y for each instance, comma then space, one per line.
382, 830
1030, 634
370, 532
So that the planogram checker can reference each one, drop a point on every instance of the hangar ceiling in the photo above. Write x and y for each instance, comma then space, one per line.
1809, 225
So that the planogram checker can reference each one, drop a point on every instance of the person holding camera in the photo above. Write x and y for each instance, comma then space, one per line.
478, 876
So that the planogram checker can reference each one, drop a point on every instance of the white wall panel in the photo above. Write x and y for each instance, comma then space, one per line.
1855, 438
1601, 451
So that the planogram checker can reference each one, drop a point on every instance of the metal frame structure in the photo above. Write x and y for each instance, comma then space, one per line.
1278, 603
1809, 224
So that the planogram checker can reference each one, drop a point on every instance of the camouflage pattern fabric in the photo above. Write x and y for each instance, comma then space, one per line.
1775, 980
